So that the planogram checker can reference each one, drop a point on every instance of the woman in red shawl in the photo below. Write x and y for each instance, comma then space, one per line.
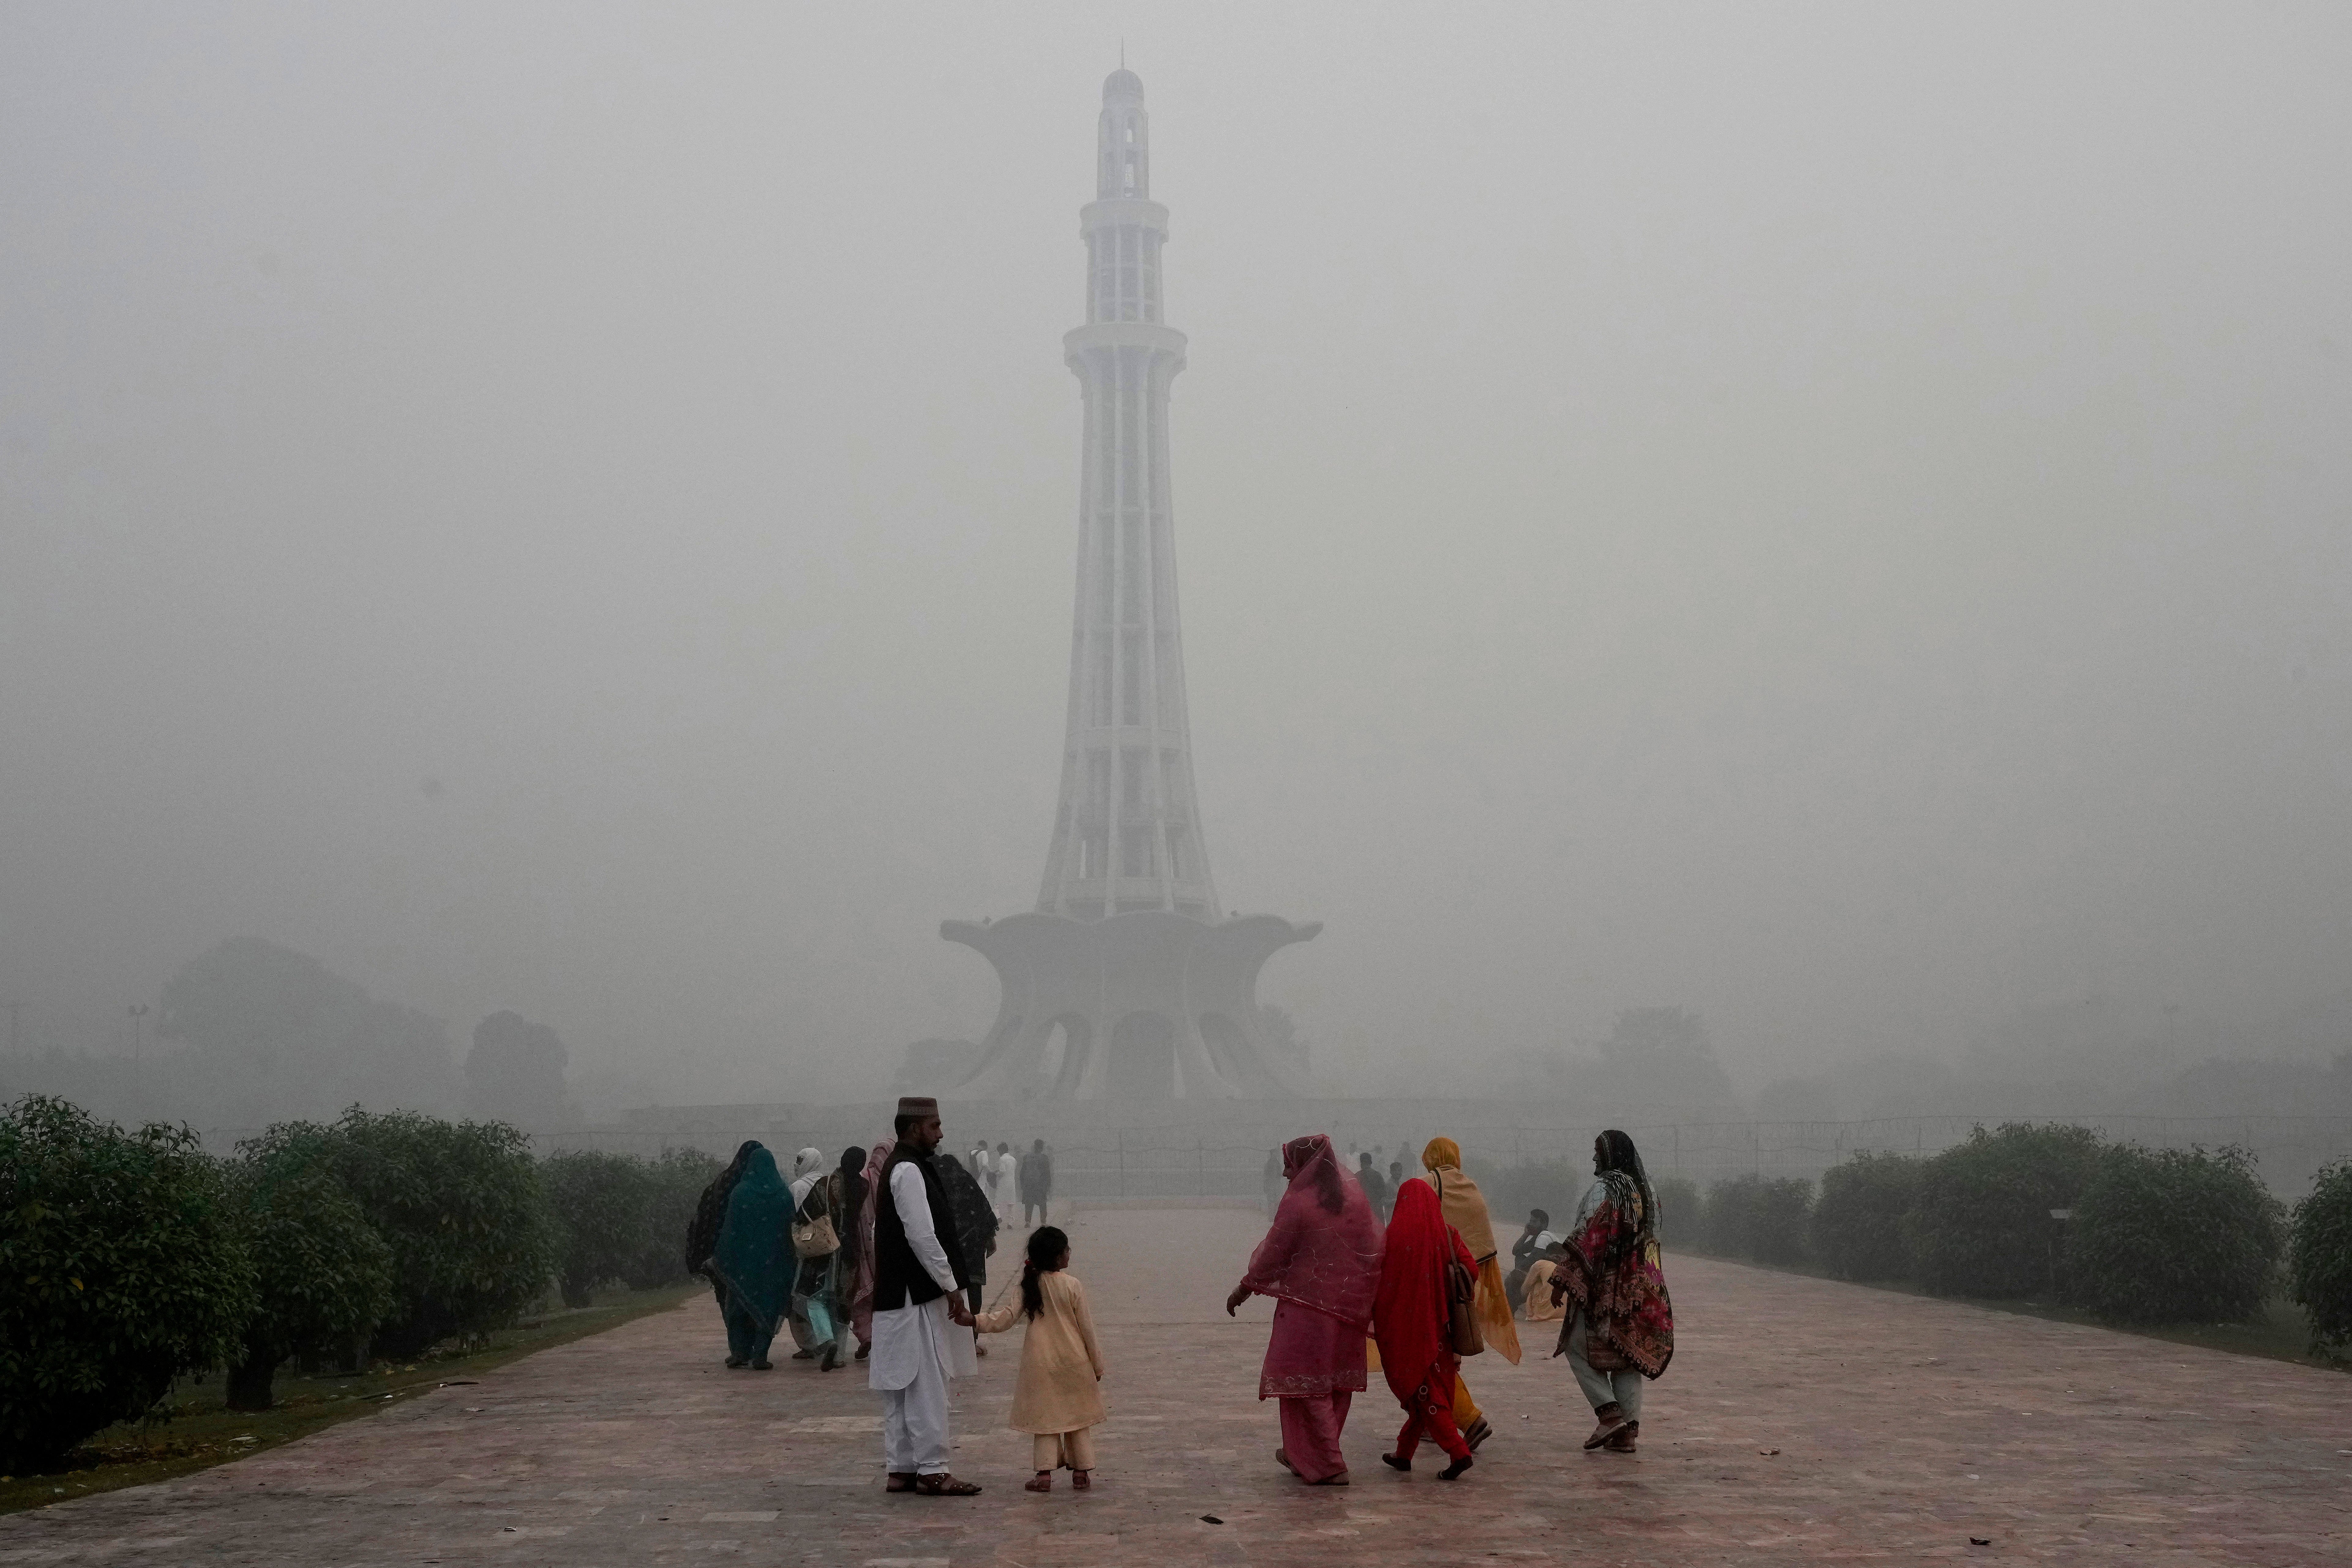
1320, 1261
1409, 1320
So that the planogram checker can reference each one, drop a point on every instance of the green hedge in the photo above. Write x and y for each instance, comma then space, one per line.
2320, 1266
460, 1205
2169, 1235
324, 1275
1982, 1224
1682, 1213
1762, 1219
1859, 1231
123, 1267
677, 1177
603, 1205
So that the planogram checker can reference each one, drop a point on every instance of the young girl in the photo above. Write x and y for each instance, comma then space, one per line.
1055, 1401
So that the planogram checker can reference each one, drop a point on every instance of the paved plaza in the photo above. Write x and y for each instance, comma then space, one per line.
1802, 1422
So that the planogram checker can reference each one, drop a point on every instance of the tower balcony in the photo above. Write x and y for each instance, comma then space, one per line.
1122, 212
1097, 336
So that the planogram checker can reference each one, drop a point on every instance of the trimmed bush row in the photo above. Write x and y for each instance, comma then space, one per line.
2147, 1237
137, 1257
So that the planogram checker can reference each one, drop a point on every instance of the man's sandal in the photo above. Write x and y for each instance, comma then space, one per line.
944, 1485
900, 1481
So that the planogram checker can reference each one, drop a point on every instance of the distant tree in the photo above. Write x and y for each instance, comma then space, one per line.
1656, 1060
124, 1269
514, 1072
308, 1038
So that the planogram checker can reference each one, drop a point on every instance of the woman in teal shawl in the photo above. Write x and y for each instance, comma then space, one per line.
754, 1262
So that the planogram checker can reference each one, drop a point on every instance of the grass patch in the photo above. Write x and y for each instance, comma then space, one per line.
2282, 1332
201, 1431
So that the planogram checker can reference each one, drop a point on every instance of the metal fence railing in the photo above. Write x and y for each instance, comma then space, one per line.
1228, 1158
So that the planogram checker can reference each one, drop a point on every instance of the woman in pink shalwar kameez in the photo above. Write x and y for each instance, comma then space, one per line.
1320, 1261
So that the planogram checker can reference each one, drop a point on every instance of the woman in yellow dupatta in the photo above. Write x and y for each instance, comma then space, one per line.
1465, 1211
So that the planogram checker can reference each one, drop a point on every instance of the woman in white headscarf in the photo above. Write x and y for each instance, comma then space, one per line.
808, 1168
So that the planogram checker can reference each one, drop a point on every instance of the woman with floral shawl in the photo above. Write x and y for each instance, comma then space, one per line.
1410, 1322
1621, 1327
1465, 1211
1320, 1261
753, 1261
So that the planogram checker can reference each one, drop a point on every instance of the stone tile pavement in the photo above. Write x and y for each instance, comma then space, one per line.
1802, 1422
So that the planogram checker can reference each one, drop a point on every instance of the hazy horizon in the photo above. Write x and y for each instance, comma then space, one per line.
1839, 518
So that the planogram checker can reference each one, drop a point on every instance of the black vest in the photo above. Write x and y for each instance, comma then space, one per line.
899, 1280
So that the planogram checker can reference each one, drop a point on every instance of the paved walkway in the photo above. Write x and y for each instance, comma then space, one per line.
1803, 1422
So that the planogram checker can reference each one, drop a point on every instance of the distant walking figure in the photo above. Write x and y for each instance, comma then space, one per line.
975, 1228
1620, 1325
710, 1214
1375, 1185
1410, 1321
1035, 1176
1003, 1193
1320, 1261
1057, 1400
753, 1261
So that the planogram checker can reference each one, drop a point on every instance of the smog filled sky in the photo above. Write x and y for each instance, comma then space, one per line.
1838, 517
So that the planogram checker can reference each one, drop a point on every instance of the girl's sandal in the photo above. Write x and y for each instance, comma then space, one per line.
1082, 1480
1043, 1481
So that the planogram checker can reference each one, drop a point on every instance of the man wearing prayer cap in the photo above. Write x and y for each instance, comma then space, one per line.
919, 1306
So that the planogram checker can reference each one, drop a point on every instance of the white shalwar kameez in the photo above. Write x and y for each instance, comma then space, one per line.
917, 1349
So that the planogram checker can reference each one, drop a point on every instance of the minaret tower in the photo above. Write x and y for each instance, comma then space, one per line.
1128, 835
1126, 982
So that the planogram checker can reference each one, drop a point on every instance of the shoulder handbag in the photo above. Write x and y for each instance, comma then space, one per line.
1464, 1336
816, 1237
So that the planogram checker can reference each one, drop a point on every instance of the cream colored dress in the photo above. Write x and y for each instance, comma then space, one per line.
1059, 1389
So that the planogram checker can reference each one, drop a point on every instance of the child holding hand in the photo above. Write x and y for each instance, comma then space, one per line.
1055, 1400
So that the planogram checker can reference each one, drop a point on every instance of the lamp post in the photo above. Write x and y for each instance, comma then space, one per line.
138, 1028
15, 1008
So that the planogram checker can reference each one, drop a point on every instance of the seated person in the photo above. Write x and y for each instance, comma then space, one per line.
1534, 1242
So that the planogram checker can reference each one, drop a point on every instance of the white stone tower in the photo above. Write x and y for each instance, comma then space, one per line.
1128, 835
1126, 982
